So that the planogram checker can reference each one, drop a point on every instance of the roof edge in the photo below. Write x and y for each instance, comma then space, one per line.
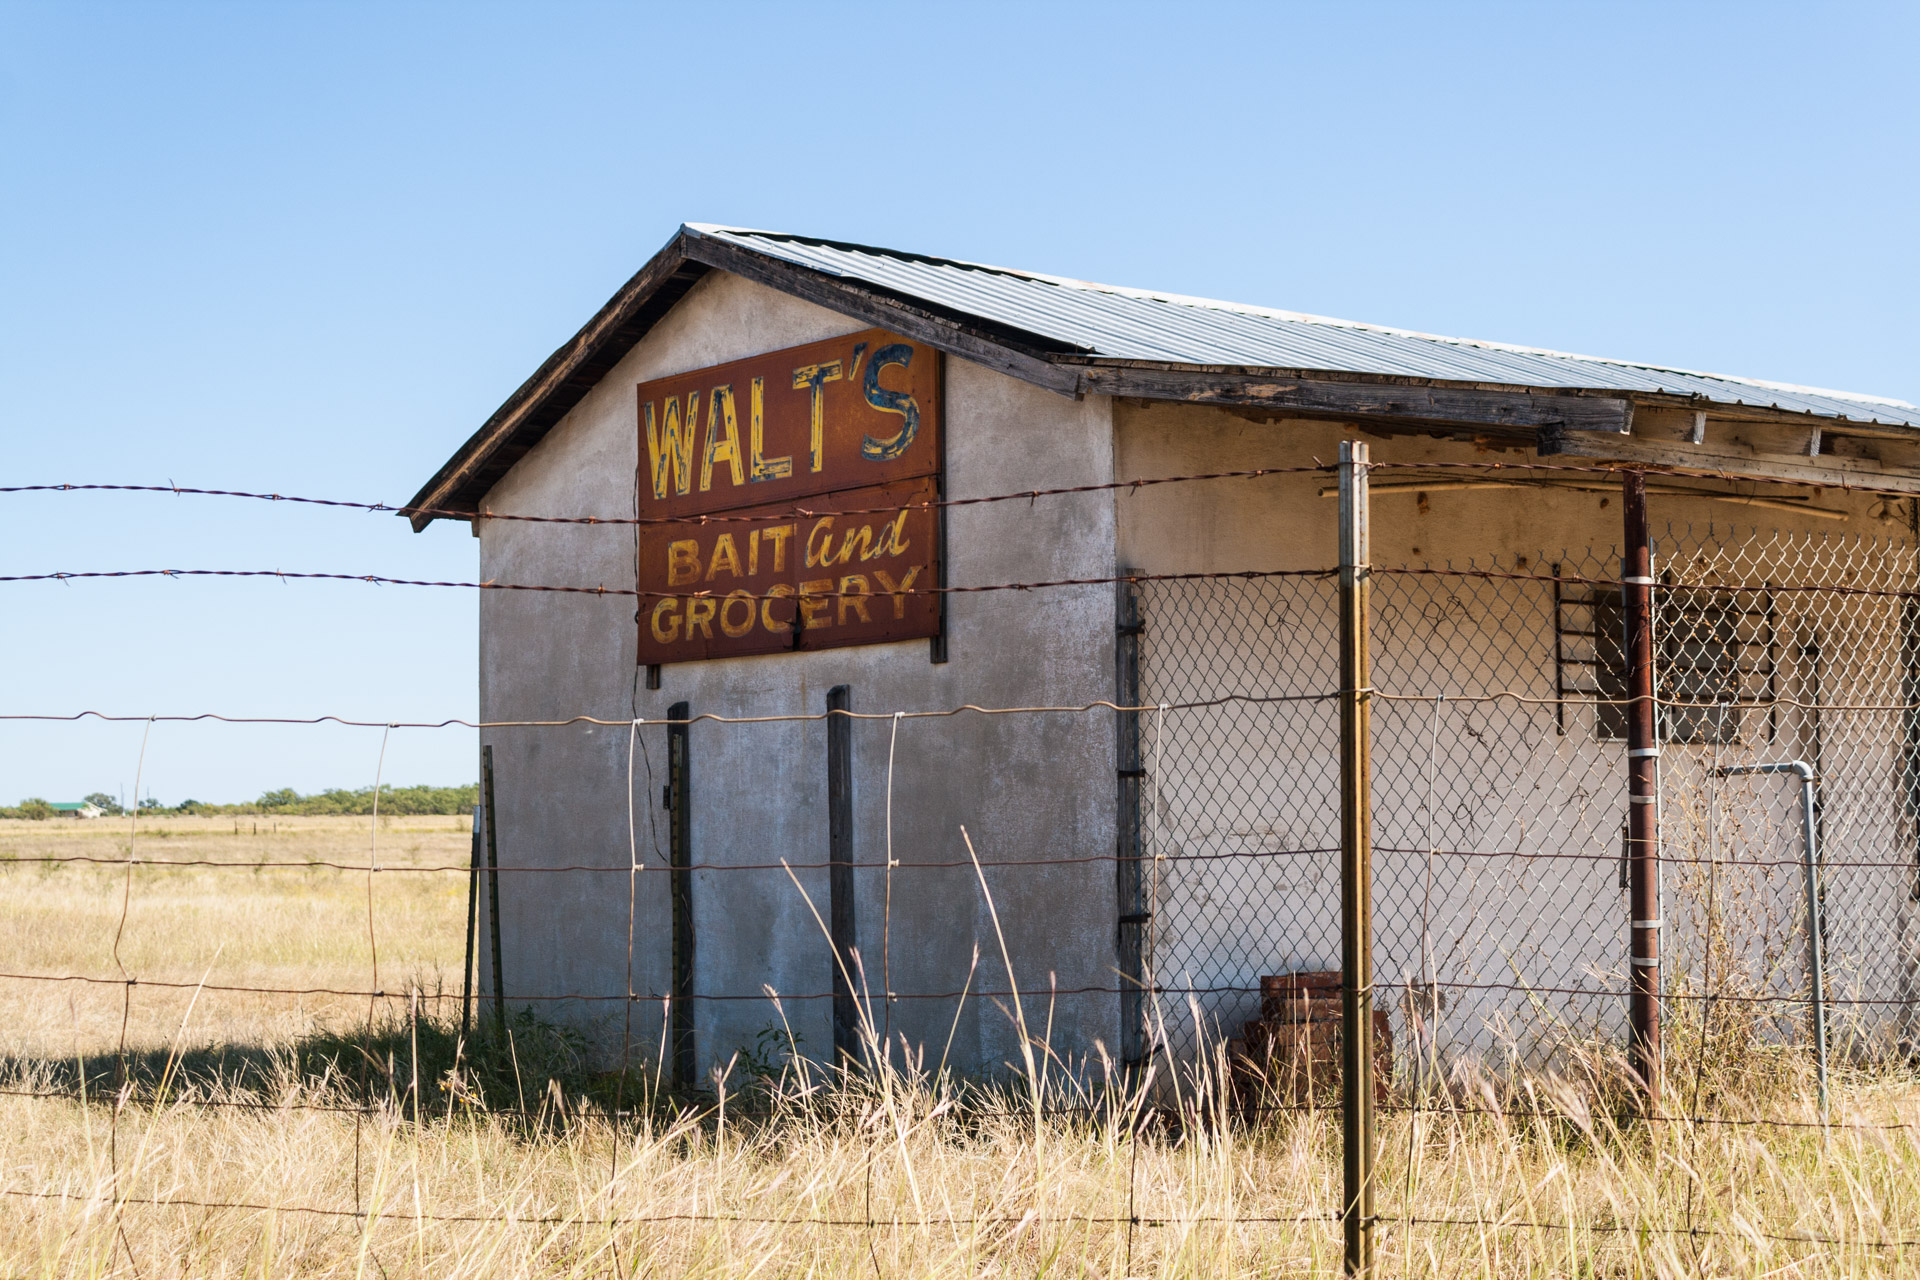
565, 377
585, 359
581, 359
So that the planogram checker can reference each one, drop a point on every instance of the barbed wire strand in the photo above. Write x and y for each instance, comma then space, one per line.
1782, 702
1844, 482
1501, 1222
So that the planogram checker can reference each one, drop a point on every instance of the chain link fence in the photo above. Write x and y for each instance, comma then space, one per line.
1500, 906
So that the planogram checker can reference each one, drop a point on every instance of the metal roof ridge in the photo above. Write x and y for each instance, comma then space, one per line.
1301, 317
710, 228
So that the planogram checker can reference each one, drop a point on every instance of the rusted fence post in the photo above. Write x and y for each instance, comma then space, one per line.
680, 864
473, 905
1643, 757
842, 919
1356, 856
1130, 935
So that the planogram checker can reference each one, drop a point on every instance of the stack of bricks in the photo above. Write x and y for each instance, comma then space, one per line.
1291, 1052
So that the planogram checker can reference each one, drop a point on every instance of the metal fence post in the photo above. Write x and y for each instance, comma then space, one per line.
842, 920
1356, 850
680, 863
493, 894
1130, 885
473, 903
1643, 755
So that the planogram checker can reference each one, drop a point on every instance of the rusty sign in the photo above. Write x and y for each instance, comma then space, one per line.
841, 414
853, 570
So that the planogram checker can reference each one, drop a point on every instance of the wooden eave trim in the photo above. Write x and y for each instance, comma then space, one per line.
1297, 394
560, 382
1331, 375
1014, 352
1729, 411
1827, 471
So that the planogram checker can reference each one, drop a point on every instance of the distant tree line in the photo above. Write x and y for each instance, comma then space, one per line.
399, 801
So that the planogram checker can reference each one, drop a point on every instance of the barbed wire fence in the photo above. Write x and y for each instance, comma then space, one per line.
1504, 935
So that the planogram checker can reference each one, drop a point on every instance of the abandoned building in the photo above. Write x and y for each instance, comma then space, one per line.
802, 427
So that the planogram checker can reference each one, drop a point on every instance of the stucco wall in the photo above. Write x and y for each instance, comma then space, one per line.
1038, 788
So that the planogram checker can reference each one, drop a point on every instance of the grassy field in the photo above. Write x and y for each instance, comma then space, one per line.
292, 927
953, 1184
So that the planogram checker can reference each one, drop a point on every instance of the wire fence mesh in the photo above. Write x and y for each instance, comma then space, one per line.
1206, 902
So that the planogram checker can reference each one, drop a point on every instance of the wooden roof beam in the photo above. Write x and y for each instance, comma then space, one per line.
1295, 395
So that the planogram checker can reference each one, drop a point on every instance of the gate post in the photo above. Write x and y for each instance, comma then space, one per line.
1356, 856
1130, 934
1643, 756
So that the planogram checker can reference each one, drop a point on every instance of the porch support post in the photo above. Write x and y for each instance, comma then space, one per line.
1643, 756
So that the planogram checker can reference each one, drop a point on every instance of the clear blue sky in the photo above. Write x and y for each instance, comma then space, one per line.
308, 248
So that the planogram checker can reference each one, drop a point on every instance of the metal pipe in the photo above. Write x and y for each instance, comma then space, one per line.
1816, 962
1356, 856
1597, 486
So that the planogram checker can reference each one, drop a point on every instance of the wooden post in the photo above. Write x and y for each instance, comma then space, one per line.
493, 894
680, 869
473, 909
1643, 754
1356, 856
842, 921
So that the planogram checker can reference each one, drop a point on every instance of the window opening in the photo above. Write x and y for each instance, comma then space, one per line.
1716, 655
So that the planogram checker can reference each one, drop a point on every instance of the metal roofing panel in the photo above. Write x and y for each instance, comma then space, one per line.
1101, 321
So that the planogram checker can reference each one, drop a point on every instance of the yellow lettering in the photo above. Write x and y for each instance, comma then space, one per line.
893, 541
811, 609
721, 418
864, 536
897, 589
813, 379
671, 607
683, 562
886, 401
726, 613
778, 536
778, 591
853, 593
700, 611
762, 468
753, 553
724, 557
823, 556
670, 448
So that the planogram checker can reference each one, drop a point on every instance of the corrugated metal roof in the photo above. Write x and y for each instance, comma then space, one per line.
1105, 322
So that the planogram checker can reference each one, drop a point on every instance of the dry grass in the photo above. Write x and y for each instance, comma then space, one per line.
285, 928
951, 1191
